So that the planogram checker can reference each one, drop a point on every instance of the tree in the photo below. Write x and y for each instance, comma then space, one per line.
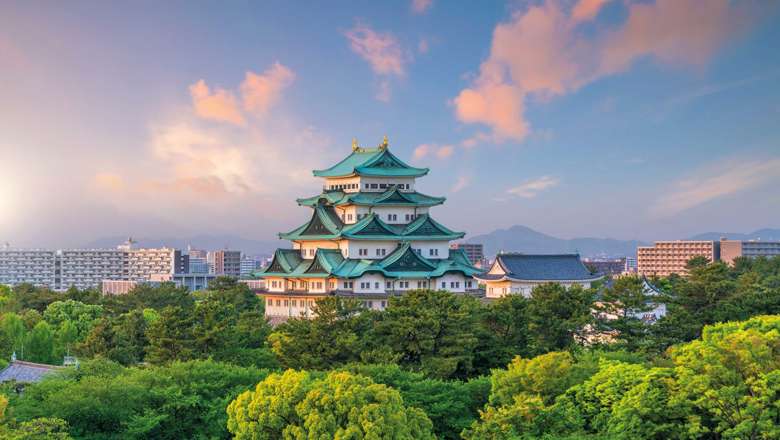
293, 405
40, 344
81, 316
334, 337
451, 405
504, 333
430, 331
170, 337
620, 307
14, 334
557, 315
733, 375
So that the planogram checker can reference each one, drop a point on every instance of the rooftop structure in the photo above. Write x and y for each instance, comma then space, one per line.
731, 249
370, 236
26, 372
516, 273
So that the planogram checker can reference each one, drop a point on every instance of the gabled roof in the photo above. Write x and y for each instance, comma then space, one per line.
371, 162
392, 197
26, 372
324, 224
540, 268
284, 261
406, 259
323, 227
403, 262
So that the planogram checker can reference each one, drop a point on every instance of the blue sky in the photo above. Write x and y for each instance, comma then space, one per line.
612, 118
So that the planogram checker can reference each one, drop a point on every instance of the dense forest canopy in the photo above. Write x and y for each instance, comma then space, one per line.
161, 363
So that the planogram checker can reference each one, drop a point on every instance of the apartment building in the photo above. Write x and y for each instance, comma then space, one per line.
250, 265
667, 257
731, 249
33, 266
87, 268
226, 263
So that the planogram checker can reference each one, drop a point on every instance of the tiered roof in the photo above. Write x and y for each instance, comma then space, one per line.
392, 197
371, 162
326, 225
403, 262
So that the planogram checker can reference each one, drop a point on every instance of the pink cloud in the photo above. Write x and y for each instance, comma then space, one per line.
587, 9
543, 52
440, 151
219, 106
530, 188
261, 91
421, 6
381, 50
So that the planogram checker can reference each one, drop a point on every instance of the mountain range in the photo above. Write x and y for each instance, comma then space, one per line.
524, 239
516, 239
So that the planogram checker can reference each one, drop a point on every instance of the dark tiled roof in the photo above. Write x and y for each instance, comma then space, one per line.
555, 267
28, 372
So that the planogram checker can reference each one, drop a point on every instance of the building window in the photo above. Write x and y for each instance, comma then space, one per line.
392, 217
286, 303
443, 285
383, 185
384, 304
374, 186
363, 252
295, 303
381, 252
270, 302
388, 285
407, 217
349, 217
278, 303
433, 252
468, 284
376, 285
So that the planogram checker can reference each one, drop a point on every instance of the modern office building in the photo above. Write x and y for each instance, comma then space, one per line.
670, 257
475, 252
515, 273
250, 265
731, 249
371, 235
226, 263
198, 265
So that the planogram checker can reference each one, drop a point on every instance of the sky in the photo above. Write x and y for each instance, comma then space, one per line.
631, 119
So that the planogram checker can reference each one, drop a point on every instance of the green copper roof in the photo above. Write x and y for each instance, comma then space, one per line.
392, 197
403, 262
371, 227
371, 162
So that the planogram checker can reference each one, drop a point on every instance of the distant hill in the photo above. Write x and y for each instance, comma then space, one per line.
524, 239
208, 242
762, 234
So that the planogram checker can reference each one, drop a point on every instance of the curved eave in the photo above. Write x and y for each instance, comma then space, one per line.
403, 237
520, 280
401, 172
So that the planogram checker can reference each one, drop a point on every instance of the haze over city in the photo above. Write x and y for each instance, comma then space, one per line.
604, 118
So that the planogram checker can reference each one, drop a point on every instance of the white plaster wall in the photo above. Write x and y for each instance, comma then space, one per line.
354, 246
309, 248
442, 247
450, 278
376, 283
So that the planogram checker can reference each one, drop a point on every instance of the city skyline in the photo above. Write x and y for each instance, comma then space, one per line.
573, 118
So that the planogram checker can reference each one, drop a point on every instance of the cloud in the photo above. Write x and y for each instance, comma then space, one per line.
462, 183
716, 181
219, 106
423, 46
440, 151
530, 188
261, 92
543, 52
109, 181
421, 6
383, 53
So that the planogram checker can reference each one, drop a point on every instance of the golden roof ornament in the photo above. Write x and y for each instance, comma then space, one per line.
354, 144
383, 145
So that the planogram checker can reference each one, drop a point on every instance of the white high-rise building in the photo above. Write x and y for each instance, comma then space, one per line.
87, 268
